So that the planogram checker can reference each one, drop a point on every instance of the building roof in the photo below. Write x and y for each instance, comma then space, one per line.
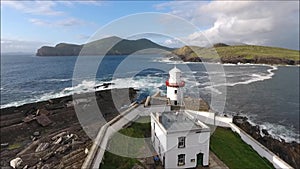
179, 122
174, 70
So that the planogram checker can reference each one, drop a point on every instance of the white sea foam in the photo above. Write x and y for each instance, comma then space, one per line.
57, 80
152, 83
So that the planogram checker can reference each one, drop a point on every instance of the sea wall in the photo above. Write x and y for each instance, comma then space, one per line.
212, 119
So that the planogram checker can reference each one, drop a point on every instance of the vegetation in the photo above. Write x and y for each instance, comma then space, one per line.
226, 144
14, 146
242, 53
139, 129
251, 51
230, 149
109, 46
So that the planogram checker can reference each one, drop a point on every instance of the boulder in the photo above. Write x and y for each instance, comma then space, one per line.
43, 120
15, 163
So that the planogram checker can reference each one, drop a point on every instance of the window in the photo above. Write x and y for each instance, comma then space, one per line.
175, 102
175, 91
181, 159
181, 142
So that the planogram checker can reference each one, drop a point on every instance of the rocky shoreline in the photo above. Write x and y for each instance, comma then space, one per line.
289, 152
48, 134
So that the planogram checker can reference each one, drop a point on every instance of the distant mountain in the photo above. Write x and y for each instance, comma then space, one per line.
237, 54
109, 46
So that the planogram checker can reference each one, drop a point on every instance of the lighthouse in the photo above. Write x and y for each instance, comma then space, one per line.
174, 87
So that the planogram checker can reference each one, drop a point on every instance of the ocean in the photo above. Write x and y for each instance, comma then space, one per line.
267, 95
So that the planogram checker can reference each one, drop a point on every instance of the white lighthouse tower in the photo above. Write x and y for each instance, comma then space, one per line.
174, 87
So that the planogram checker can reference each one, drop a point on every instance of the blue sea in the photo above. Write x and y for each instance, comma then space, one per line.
267, 95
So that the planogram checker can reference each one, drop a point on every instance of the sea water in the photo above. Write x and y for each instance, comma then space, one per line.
267, 95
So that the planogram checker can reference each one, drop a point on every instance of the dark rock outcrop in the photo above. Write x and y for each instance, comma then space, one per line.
289, 152
258, 60
62, 49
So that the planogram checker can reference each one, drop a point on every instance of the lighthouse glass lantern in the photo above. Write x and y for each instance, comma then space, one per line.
174, 87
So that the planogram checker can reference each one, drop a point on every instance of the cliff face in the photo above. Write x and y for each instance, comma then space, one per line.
62, 49
237, 54
107, 46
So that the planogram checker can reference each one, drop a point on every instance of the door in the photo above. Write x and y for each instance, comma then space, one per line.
200, 159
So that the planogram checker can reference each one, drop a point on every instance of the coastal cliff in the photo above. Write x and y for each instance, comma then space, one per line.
106, 46
48, 134
237, 54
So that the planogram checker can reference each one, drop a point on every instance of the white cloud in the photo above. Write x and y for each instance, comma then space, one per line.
274, 23
34, 7
13, 45
68, 22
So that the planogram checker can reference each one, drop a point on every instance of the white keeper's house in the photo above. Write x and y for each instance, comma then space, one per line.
180, 140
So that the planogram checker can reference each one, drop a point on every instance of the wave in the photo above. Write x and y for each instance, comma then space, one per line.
56, 80
277, 131
255, 78
140, 82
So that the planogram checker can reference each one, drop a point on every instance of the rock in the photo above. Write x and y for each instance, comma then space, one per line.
46, 166
29, 118
42, 111
58, 141
86, 151
62, 149
265, 132
42, 147
15, 163
43, 120
4, 145
58, 135
36, 133
47, 156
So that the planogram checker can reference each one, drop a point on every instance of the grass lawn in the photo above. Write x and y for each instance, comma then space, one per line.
236, 154
139, 129
226, 144
244, 51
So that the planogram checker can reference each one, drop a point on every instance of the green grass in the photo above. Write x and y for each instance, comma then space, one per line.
139, 129
14, 146
236, 154
251, 51
244, 51
112, 161
226, 144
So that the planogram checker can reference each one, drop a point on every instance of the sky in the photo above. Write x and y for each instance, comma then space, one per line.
28, 25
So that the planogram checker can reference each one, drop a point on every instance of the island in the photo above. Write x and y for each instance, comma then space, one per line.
106, 46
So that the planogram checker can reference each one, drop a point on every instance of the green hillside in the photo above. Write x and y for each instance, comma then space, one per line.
109, 46
242, 54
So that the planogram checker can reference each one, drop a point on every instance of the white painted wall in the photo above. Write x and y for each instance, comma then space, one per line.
260, 149
195, 143
211, 118
175, 97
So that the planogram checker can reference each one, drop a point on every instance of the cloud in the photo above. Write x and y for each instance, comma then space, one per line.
69, 22
272, 23
13, 45
34, 7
